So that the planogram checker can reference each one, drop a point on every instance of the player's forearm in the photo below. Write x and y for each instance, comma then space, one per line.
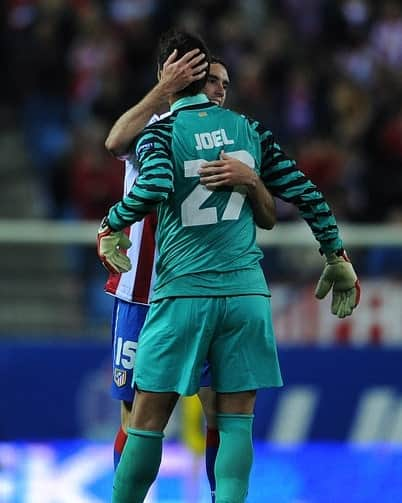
284, 180
130, 210
230, 171
132, 122
312, 206
145, 195
263, 204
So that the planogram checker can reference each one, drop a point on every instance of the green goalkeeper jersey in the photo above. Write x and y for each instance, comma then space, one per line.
207, 239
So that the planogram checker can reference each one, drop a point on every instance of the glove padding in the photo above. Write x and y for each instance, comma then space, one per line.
339, 275
109, 246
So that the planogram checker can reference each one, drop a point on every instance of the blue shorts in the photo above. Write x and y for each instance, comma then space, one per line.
127, 321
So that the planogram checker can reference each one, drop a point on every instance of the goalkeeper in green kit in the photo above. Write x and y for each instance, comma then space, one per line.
211, 301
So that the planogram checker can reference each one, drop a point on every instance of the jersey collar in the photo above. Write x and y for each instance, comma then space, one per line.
198, 99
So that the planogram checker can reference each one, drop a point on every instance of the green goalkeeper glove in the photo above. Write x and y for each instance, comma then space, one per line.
339, 275
109, 247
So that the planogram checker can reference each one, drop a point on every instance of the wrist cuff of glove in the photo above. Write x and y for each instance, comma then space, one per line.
105, 224
340, 252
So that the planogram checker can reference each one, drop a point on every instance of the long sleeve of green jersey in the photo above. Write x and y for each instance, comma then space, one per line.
281, 176
154, 181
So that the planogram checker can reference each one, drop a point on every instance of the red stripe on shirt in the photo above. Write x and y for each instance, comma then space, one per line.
143, 278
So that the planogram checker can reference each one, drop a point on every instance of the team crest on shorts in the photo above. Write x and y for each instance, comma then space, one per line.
120, 377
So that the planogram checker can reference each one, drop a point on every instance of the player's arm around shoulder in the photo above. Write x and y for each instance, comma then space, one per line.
229, 171
174, 76
262, 202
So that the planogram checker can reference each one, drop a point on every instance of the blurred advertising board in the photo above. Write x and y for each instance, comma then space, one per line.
300, 318
61, 391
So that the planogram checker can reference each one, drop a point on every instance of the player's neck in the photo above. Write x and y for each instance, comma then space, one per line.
173, 98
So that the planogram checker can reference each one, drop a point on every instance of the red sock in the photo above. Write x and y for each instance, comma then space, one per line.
119, 443
211, 449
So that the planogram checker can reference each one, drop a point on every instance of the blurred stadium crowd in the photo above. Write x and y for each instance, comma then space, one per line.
324, 75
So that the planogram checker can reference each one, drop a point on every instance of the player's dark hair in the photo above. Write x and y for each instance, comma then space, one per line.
219, 61
183, 42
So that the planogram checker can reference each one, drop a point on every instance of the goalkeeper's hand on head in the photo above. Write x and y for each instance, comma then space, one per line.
339, 275
110, 247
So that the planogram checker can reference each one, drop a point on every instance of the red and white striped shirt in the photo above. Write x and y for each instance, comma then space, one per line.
137, 284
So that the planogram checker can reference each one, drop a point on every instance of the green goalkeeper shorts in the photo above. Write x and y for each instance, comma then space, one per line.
234, 334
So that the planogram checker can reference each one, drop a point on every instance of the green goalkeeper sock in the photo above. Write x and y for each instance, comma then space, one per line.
138, 466
235, 457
